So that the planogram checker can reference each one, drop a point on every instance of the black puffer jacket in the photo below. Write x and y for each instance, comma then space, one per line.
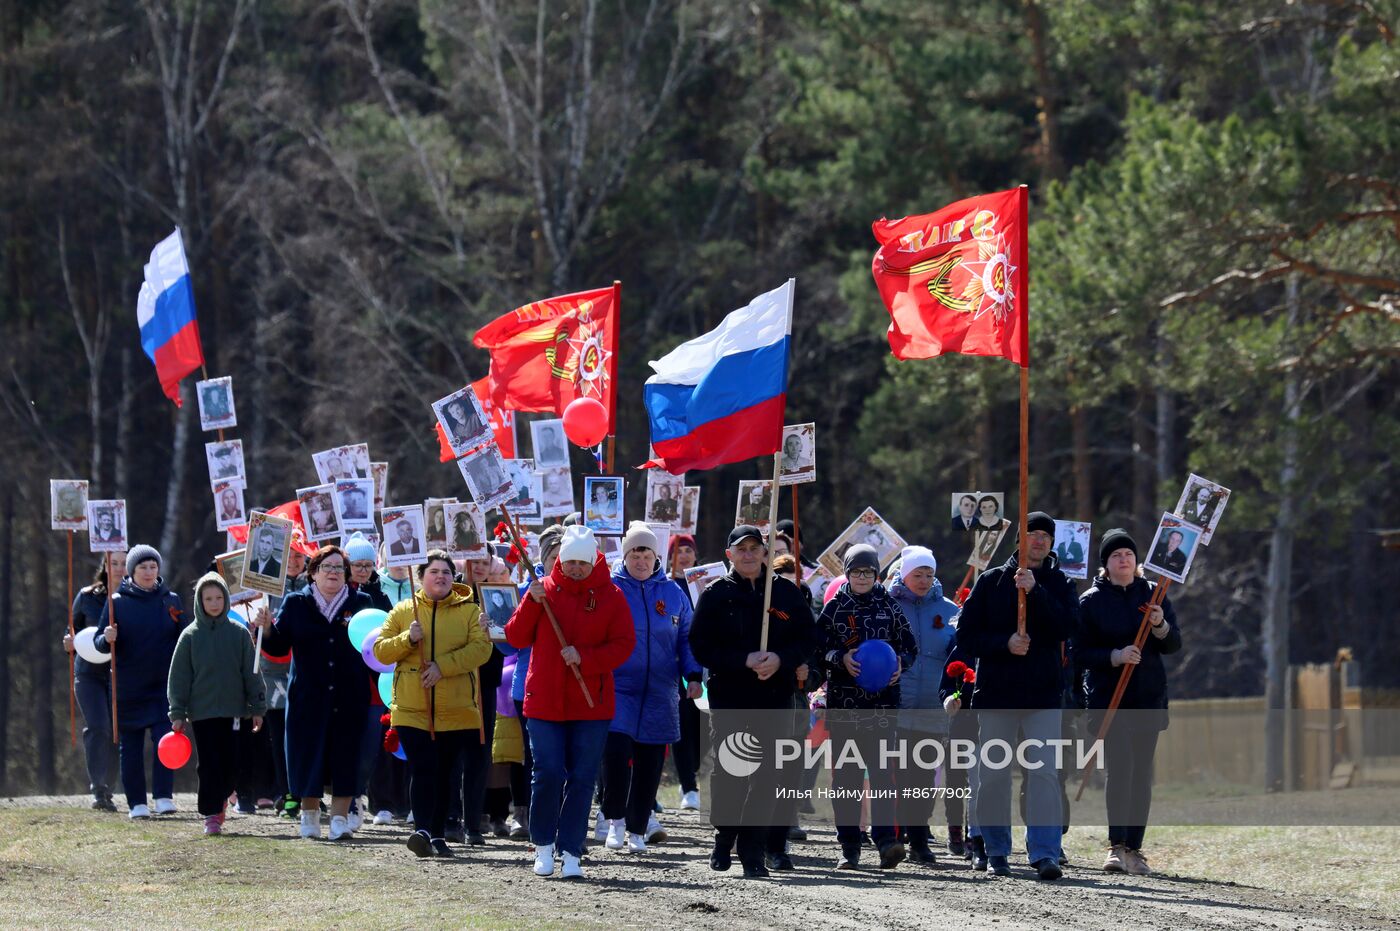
1109, 616
988, 620
849, 620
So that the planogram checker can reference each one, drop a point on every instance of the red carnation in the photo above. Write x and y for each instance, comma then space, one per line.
391, 740
963, 593
957, 668
970, 676
384, 718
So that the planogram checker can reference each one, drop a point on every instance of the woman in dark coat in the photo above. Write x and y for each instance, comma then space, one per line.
1109, 615
93, 685
327, 692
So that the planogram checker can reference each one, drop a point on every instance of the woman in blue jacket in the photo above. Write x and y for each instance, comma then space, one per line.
921, 715
647, 715
1110, 613
148, 621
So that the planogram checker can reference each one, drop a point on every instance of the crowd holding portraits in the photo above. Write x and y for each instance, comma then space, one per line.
463, 421
342, 463
1072, 547
498, 602
225, 460
216, 410
230, 568
798, 464
602, 505
318, 512
68, 504
487, 477
229, 510
556, 491
466, 530
435, 522
664, 493
403, 535
754, 504
524, 502
265, 563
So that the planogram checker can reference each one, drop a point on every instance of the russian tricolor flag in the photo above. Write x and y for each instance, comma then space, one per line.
165, 313
721, 397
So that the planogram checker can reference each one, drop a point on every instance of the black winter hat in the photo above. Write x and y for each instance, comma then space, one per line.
1117, 539
861, 556
1039, 520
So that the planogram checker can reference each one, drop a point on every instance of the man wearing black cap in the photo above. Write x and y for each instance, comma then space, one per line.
1018, 687
751, 694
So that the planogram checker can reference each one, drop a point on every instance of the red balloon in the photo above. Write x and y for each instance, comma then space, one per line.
585, 422
173, 750
832, 588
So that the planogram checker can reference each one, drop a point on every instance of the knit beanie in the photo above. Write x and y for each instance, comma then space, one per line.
681, 539
578, 545
1039, 520
139, 554
358, 549
1117, 539
550, 538
861, 556
916, 557
639, 535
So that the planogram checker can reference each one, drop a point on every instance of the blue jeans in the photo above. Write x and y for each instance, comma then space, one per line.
133, 752
567, 755
993, 795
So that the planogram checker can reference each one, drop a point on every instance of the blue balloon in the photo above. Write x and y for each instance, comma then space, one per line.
877, 665
400, 754
362, 623
386, 688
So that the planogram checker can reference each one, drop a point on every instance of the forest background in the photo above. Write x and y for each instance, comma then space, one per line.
1215, 192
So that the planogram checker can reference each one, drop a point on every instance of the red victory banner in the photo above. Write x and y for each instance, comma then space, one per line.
548, 353
956, 280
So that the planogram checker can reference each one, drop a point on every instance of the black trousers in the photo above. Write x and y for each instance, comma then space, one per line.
468, 801
217, 743
743, 810
631, 775
431, 763
275, 723
388, 781
685, 753
1128, 755
849, 780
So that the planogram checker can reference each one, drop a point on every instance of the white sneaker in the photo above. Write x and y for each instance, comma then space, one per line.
354, 821
165, 806
311, 825
572, 869
340, 828
656, 834
690, 801
544, 860
636, 843
383, 817
139, 812
600, 827
617, 834
409, 819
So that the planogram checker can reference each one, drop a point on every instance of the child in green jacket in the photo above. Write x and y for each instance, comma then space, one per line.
213, 687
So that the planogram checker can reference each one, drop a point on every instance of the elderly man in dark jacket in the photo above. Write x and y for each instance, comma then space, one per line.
751, 690
1018, 687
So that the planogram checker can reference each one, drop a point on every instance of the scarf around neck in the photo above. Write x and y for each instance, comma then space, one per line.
329, 609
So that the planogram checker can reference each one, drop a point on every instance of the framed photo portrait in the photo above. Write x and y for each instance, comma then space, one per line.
68, 499
985, 543
466, 530
106, 525
229, 510
524, 502
1173, 547
434, 522
550, 445
664, 493
487, 478
498, 603
868, 528
216, 404
463, 421
354, 504
1072, 539
225, 461
556, 491
799, 462
603, 505
265, 562
690, 510
230, 568
1202, 503
755, 500
989, 510
379, 471
403, 535
699, 578
964, 511
318, 512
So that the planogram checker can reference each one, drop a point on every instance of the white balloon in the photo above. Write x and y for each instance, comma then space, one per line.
84, 641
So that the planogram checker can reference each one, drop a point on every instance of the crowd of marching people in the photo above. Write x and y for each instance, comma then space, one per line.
564, 728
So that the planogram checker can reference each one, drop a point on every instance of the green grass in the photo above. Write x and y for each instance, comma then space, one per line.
67, 868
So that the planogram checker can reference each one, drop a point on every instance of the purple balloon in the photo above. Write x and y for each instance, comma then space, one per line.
367, 652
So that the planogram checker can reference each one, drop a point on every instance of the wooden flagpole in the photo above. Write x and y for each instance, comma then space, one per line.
614, 328
797, 557
481, 711
1158, 594
112, 647
548, 611
72, 688
422, 656
772, 529
1025, 492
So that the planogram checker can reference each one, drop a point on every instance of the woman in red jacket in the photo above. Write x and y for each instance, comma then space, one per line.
566, 733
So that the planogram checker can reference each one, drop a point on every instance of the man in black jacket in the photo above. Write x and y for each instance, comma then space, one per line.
1019, 683
751, 692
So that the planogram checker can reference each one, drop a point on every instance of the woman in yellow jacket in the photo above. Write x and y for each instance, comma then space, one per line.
437, 642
